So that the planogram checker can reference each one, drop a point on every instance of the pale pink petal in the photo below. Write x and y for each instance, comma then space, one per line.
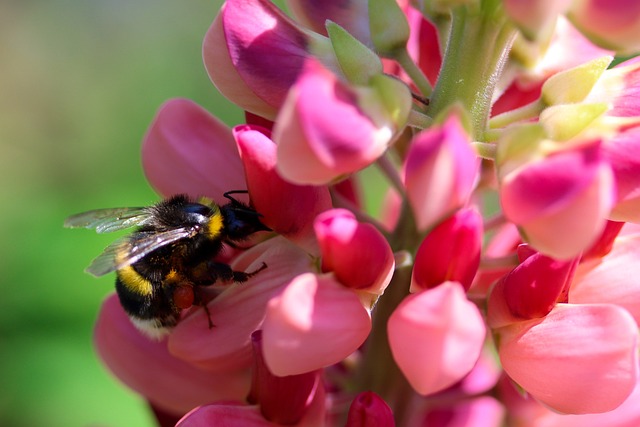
315, 322
187, 150
613, 279
436, 337
147, 367
287, 208
578, 359
239, 309
532, 17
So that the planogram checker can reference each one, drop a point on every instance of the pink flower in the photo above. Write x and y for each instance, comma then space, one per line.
561, 202
440, 172
534, 18
436, 337
239, 51
312, 146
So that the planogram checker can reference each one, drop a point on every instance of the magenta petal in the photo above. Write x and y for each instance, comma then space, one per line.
450, 252
369, 410
314, 323
187, 150
578, 359
623, 152
436, 337
239, 310
287, 208
225, 414
147, 367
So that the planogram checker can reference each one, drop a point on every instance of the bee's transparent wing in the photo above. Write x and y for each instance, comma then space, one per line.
108, 220
130, 249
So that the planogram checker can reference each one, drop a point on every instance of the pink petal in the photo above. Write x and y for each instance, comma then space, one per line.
436, 337
623, 152
479, 412
561, 203
346, 245
182, 147
533, 17
313, 147
287, 208
253, 53
148, 368
613, 279
440, 172
315, 322
238, 310
578, 359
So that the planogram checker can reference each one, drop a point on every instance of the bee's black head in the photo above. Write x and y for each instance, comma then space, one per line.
241, 221
180, 211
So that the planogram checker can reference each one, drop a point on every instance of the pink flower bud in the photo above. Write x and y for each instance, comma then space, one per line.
440, 172
613, 24
436, 337
185, 137
560, 203
315, 322
578, 359
450, 252
254, 53
282, 400
369, 410
286, 208
357, 253
313, 146
533, 288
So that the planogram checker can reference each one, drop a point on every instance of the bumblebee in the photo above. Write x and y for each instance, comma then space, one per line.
161, 266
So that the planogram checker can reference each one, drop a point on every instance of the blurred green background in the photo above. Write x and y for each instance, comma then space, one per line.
80, 81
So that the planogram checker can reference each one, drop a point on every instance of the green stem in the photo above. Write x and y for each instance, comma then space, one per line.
419, 120
414, 72
478, 47
523, 113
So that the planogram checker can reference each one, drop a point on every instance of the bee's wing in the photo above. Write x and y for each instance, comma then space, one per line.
130, 249
108, 220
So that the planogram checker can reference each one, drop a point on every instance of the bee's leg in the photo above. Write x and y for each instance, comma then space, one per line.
217, 271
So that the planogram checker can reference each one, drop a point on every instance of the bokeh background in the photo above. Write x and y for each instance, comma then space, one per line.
80, 82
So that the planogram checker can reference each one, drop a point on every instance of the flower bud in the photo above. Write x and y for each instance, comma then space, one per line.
358, 255
440, 171
369, 410
450, 252
389, 27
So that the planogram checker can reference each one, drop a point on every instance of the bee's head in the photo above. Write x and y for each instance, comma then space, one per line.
241, 221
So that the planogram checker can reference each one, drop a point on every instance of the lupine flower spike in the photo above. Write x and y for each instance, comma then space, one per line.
450, 192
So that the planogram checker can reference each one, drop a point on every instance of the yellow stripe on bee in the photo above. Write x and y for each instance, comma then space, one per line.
134, 281
214, 227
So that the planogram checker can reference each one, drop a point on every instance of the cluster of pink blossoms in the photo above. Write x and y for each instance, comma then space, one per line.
499, 284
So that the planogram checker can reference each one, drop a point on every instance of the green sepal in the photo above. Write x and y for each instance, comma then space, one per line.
357, 62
